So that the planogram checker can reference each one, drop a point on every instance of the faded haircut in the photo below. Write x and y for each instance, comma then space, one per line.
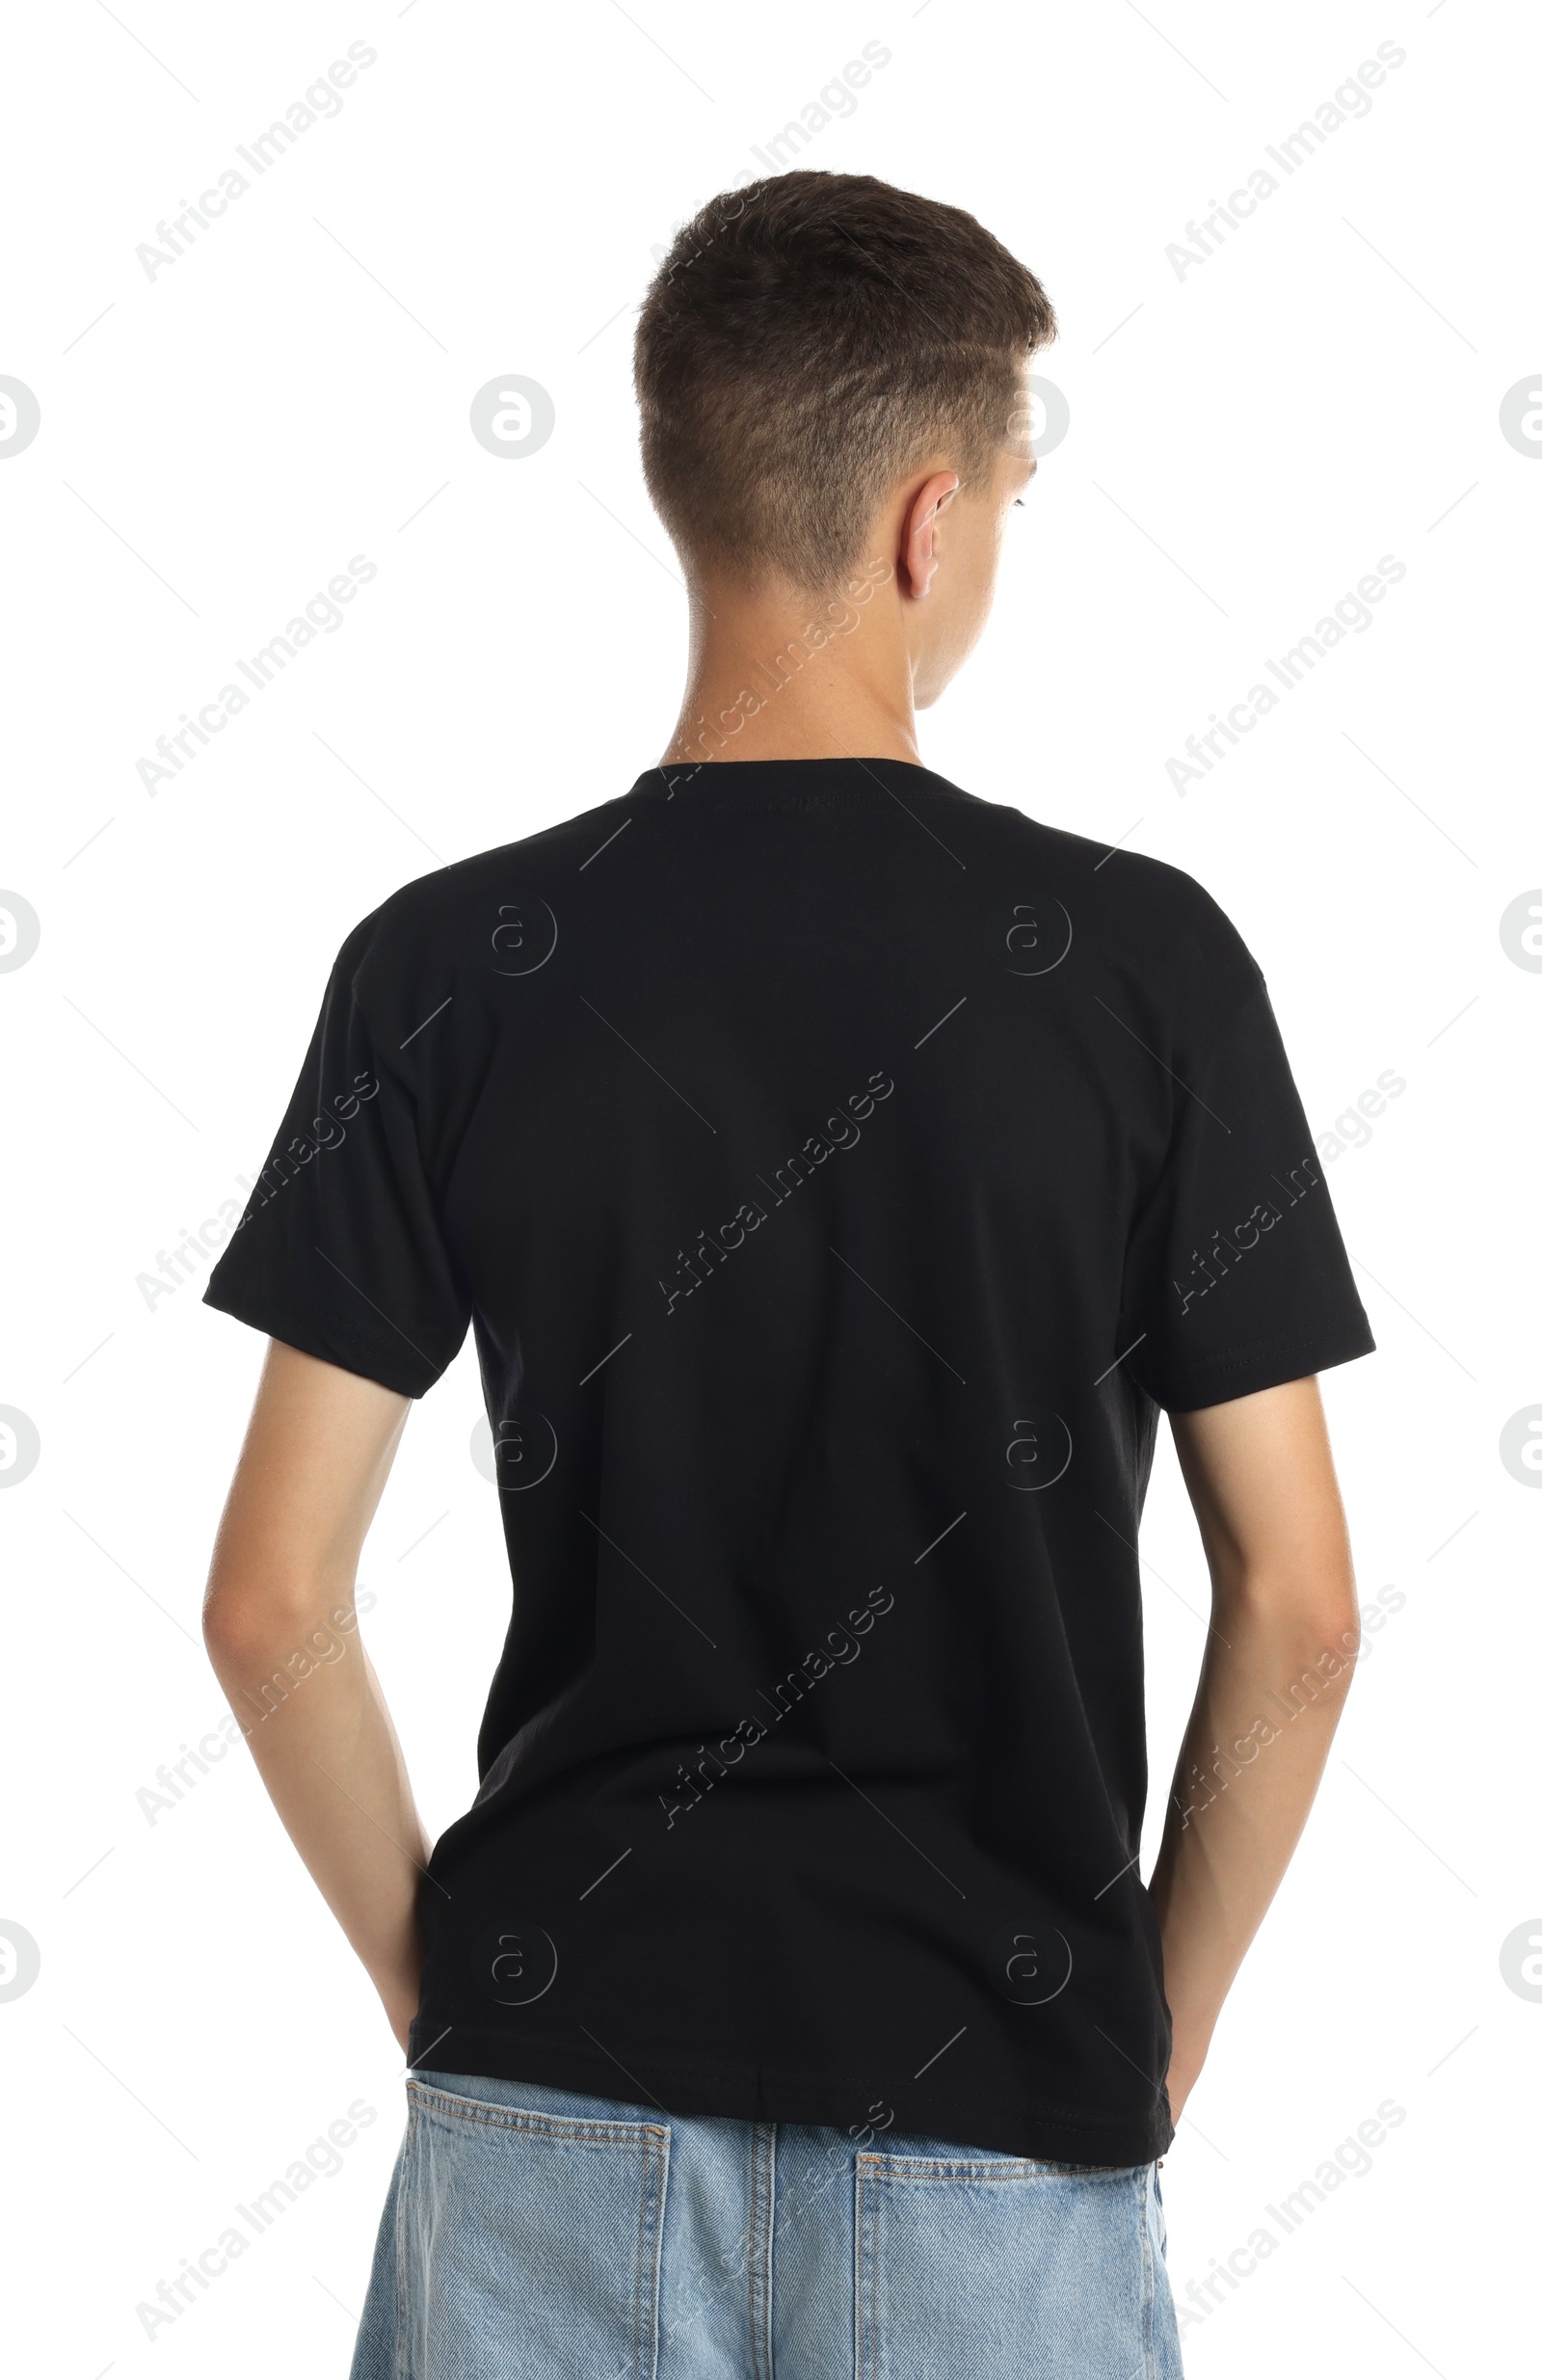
805, 342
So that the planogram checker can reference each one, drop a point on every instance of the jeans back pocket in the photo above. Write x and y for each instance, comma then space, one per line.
528, 2242
974, 2267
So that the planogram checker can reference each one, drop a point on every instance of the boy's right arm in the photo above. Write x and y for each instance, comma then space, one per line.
1278, 1661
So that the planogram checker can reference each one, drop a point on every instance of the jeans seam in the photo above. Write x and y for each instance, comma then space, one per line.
639, 2256
1147, 2279
399, 2359
992, 2171
612, 2133
863, 2291
649, 2226
763, 2199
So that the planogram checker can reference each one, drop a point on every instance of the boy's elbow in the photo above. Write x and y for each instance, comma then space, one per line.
1312, 1613
247, 1613
237, 1625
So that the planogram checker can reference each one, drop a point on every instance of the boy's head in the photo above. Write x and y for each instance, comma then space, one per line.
808, 345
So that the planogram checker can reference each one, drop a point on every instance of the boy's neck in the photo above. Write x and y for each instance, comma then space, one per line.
781, 676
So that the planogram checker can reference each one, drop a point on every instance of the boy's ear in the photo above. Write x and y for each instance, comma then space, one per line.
918, 543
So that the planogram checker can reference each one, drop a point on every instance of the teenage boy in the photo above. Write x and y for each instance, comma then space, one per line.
841, 1173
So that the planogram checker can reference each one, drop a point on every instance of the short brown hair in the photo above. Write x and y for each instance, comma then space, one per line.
806, 341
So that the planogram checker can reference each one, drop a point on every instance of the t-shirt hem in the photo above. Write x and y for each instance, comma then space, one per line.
330, 1341
758, 2094
1267, 1365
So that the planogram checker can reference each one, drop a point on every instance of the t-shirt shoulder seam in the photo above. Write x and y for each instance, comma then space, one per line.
405, 899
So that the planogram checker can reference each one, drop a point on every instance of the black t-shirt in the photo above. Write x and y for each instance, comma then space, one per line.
839, 1172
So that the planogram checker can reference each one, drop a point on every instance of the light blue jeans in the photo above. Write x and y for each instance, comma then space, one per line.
532, 2233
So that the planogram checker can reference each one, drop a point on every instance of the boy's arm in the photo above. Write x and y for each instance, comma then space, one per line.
1278, 1661
279, 1624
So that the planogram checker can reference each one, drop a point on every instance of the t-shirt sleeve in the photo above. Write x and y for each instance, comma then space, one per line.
340, 1251
1236, 1277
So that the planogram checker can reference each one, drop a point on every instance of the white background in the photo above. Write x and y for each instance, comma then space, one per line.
1246, 441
